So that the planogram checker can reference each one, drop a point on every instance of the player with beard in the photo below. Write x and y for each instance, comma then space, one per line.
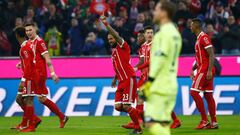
124, 73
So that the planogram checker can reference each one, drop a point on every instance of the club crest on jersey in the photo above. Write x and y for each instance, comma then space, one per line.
26, 54
44, 46
206, 40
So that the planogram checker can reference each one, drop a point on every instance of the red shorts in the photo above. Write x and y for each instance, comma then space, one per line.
29, 88
41, 88
126, 91
200, 83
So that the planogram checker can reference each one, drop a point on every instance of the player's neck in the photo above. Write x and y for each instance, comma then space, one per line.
34, 37
198, 32
20, 41
148, 41
164, 21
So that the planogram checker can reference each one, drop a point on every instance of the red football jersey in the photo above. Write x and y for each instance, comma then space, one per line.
121, 62
27, 57
39, 49
203, 42
144, 52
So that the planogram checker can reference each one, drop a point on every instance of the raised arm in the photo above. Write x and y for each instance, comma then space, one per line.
111, 30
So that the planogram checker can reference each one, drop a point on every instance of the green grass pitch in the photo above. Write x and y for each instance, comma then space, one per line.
107, 125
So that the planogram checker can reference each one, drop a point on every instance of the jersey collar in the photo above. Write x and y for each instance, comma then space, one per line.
35, 38
23, 43
148, 43
199, 34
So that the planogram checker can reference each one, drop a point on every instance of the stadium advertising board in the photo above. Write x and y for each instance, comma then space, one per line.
93, 96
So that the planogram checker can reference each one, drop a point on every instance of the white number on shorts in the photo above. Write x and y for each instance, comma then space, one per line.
125, 97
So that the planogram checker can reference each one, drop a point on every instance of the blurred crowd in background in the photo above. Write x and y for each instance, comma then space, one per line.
70, 28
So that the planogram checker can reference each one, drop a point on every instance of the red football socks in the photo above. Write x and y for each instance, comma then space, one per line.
199, 103
133, 115
174, 116
29, 115
24, 118
211, 106
140, 109
53, 107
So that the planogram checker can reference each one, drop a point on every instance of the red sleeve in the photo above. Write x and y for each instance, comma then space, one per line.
41, 47
144, 65
206, 42
141, 52
27, 60
124, 44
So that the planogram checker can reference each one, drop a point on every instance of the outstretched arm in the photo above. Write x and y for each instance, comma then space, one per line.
111, 30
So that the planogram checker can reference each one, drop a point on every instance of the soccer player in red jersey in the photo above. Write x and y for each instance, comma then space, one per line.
27, 86
41, 59
143, 64
203, 81
127, 83
144, 57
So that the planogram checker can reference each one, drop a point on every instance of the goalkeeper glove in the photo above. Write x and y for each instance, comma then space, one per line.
145, 89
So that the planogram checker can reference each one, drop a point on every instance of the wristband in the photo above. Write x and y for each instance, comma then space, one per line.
52, 73
23, 79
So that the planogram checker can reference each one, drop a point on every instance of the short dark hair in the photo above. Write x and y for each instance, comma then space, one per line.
148, 28
29, 24
20, 31
169, 7
141, 31
197, 21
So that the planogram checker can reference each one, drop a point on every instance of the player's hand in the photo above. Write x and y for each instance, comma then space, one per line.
192, 74
209, 75
103, 19
21, 86
55, 78
114, 83
19, 98
144, 91
19, 65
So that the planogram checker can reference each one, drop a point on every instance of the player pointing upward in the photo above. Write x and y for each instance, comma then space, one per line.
125, 75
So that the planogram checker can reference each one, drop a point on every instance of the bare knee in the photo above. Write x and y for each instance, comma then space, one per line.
118, 107
140, 101
28, 101
20, 101
42, 99
126, 107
